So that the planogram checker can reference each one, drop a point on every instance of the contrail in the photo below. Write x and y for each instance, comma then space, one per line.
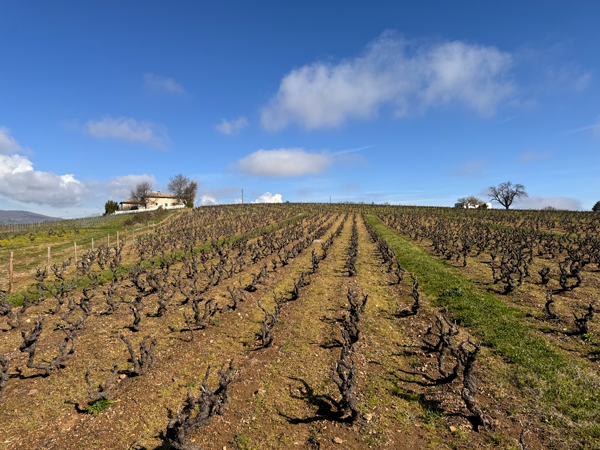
352, 150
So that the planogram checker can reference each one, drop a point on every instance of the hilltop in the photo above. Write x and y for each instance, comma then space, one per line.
12, 216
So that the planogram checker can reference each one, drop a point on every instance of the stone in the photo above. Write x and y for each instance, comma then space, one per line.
337, 440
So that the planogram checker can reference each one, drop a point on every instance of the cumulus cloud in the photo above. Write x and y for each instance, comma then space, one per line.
528, 157
536, 202
158, 83
473, 168
8, 144
233, 126
284, 162
128, 129
226, 194
20, 182
408, 75
206, 200
267, 197
120, 187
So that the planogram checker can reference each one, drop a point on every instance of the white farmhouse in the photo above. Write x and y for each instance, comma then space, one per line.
154, 201
471, 206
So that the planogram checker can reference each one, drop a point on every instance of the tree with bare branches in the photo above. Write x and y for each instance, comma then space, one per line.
505, 193
470, 201
140, 193
183, 188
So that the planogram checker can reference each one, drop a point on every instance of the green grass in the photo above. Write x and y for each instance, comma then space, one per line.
565, 387
17, 299
243, 442
99, 405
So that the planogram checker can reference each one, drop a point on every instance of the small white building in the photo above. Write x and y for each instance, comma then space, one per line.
154, 201
471, 206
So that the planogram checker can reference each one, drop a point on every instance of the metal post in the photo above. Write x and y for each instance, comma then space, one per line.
92, 243
48, 260
10, 274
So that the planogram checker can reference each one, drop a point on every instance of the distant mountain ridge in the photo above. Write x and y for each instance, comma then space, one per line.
13, 217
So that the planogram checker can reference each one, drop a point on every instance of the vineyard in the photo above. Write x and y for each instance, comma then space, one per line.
312, 326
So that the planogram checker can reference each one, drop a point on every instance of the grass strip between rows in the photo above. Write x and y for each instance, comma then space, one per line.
569, 389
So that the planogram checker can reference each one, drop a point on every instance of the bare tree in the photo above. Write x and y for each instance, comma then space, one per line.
183, 188
189, 193
470, 201
140, 193
506, 193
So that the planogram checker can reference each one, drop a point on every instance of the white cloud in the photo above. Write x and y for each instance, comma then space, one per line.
233, 126
536, 202
158, 83
472, 168
209, 196
237, 201
284, 162
206, 200
528, 157
127, 129
118, 188
267, 197
409, 75
19, 182
8, 144
569, 76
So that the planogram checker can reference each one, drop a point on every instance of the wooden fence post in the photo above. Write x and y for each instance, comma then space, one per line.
10, 274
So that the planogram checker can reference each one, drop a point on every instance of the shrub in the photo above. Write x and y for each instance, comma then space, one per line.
110, 207
99, 405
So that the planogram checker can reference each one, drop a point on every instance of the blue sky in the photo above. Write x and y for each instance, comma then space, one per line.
373, 101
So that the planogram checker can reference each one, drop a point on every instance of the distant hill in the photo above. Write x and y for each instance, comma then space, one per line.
12, 217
